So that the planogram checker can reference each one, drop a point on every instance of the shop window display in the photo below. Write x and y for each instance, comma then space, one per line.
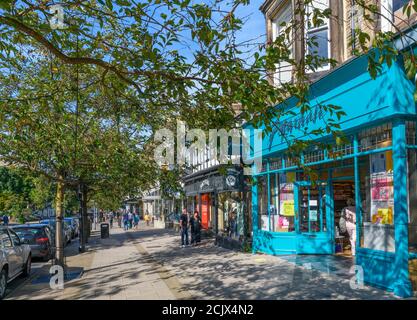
377, 195
286, 202
230, 215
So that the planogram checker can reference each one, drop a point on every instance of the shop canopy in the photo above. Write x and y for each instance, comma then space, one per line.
365, 101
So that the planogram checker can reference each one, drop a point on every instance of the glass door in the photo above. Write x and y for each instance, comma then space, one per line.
313, 213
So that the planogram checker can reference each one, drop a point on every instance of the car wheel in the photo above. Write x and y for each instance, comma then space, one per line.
3, 283
28, 266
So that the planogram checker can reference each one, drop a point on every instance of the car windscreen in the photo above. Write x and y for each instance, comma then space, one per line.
29, 235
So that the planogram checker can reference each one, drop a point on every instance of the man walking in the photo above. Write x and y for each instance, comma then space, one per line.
5, 219
184, 228
111, 216
125, 221
130, 218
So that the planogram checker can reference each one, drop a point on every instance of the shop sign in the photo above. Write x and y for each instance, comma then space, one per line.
231, 180
205, 184
303, 120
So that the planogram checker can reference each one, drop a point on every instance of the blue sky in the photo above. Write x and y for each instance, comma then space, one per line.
255, 26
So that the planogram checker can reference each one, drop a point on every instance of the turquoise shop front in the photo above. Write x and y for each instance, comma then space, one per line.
368, 182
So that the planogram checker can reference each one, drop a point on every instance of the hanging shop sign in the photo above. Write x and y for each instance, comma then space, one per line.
232, 181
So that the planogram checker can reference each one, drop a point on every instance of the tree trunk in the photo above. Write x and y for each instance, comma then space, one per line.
84, 225
87, 224
59, 209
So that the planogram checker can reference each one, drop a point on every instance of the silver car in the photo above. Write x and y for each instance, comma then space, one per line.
15, 258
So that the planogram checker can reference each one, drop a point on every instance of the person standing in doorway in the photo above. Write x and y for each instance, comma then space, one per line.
184, 228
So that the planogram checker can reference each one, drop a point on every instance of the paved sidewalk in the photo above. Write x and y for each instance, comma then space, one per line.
149, 264
211, 272
113, 268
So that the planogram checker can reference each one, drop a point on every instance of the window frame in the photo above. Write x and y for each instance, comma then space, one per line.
285, 11
308, 30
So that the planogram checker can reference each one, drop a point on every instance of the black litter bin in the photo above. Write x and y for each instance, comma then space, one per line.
104, 230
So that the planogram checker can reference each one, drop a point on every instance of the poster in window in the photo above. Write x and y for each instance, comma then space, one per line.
287, 208
313, 215
382, 188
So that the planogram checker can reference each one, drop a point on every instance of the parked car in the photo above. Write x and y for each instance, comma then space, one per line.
39, 237
73, 223
66, 229
15, 258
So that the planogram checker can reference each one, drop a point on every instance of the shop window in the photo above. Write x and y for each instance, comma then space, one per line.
412, 199
262, 202
275, 163
411, 132
341, 150
230, 218
286, 202
312, 208
283, 71
291, 161
375, 138
314, 156
377, 206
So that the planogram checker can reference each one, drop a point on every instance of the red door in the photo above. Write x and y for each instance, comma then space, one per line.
205, 210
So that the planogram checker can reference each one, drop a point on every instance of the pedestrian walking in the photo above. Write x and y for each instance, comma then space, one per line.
125, 221
119, 218
130, 219
195, 225
136, 221
184, 228
111, 216
5, 219
147, 218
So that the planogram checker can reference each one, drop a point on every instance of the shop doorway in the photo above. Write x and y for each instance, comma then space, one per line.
205, 210
313, 212
344, 215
